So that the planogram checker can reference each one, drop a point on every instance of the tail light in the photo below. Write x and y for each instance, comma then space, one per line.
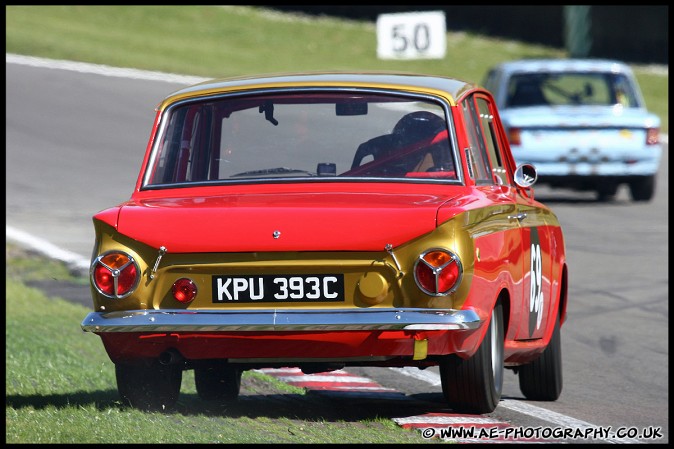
184, 290
115, 274
515, 136
652, 136
438, 272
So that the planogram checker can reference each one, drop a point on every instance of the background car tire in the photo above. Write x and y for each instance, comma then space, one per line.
218, 382
607, 191
643, 188
541, 380
474, 385
149, 387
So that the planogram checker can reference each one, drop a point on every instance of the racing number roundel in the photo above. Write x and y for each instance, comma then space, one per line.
536, 284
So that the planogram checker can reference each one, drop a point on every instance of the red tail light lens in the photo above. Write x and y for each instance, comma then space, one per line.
438, 272
184, 290
652, 136
115, 274
515, 136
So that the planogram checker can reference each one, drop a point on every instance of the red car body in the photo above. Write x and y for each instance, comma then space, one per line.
364, 262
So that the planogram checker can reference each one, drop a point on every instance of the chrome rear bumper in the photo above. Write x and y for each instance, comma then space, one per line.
179, 320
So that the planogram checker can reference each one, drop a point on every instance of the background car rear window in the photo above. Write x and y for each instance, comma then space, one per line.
570, 88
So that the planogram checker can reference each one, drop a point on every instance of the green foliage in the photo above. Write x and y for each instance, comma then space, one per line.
221, 41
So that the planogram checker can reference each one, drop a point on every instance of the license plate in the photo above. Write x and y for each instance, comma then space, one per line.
278, 288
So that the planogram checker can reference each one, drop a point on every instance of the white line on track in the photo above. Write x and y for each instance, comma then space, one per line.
324, 378
99, 69
447, 420
47, 249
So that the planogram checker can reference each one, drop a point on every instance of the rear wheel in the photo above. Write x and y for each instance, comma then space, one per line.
218, 382
541, 380
642, 188
606, 191
149, 386
474, 385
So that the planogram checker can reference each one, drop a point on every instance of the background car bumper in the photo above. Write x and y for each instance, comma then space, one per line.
612, 169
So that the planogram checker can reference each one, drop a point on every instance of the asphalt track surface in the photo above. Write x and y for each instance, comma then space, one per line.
75, 138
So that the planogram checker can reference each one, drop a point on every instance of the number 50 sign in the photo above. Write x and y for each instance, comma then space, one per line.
415, 35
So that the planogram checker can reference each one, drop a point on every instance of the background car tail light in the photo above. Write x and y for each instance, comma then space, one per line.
184, 290
515, 136
115, 274
438, 272
652, 136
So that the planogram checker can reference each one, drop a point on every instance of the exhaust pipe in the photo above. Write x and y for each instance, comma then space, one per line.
171, 357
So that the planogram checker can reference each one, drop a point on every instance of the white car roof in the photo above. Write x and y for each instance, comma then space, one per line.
564, 65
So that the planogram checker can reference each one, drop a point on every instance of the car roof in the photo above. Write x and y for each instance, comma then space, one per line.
564, 65
451, 88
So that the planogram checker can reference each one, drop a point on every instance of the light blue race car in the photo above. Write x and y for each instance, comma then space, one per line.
582, 122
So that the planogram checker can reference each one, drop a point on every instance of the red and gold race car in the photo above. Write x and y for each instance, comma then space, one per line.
328, 220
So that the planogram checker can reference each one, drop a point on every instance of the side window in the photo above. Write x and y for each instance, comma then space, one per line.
491, 141
476, 153
185, 152
624, 94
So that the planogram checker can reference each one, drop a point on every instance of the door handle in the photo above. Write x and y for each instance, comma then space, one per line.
519, 217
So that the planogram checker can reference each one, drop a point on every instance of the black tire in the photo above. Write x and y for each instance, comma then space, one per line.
643, 188
150, 387
220, 382
541, 380
475, 385
607, 191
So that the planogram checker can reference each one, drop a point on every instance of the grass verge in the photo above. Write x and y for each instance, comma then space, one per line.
60, 387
